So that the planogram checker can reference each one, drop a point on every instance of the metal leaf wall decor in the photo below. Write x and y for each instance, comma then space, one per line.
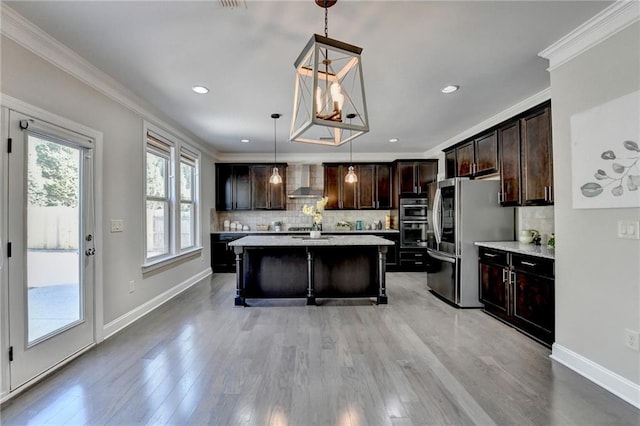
620, 176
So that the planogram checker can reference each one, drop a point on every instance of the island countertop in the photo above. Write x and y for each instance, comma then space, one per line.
305, 241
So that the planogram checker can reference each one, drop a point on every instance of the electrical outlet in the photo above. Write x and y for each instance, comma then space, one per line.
117, 225
632, 339
132, 286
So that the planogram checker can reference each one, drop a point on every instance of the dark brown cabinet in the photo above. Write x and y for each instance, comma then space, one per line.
223, 259
465, 158
265, 195
509, 146
413, 260
526, 163
340, 194
475, 157
494, 266
537, 157
413, 176
450, 164
372, 191
233, 187
247, 187
519, 289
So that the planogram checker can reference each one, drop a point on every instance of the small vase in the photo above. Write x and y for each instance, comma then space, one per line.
315, 234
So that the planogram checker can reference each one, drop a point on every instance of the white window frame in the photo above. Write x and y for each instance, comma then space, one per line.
177, 148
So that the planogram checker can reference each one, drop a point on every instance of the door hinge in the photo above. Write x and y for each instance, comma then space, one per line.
8, 250
9, 143
10, 353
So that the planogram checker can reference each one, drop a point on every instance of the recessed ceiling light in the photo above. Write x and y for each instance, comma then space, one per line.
449, 89
394, 140
200, 89
244, 140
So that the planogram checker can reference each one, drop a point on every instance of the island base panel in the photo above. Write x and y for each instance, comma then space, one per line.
275, 273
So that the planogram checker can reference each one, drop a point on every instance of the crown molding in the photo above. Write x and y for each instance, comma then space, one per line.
610, 21
317, 158
15, 27
504, 115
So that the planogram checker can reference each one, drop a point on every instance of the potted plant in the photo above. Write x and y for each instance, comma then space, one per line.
277, 225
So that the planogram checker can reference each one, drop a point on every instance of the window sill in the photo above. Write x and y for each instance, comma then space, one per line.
168, 261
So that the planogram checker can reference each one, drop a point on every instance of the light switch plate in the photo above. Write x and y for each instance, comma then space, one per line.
117, 225
629, 229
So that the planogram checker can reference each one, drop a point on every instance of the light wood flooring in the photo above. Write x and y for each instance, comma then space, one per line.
417, 361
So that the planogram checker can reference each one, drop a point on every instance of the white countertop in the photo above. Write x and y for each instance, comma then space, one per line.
304, 241
517, 247
326, 231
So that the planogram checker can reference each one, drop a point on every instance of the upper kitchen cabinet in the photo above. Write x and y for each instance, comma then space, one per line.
233, 187
509, 145
341, 195
247, 187
413, 176
374, 186
475, 157
372, 191
537, 157
526, 164
265, 195
450, 165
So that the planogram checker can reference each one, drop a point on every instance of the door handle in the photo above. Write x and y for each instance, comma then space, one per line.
528, 263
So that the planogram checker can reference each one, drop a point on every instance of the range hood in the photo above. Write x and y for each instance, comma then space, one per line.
305, 190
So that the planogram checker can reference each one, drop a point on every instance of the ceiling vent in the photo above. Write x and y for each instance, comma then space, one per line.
232, 4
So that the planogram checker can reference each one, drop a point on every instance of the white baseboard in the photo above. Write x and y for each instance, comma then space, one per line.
614, 383
123, 321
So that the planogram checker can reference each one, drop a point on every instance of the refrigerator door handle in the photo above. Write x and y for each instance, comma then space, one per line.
437, 205
437, 256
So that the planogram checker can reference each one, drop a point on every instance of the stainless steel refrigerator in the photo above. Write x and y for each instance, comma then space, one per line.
464, 211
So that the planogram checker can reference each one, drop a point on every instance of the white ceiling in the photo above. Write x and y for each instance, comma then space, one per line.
245, 55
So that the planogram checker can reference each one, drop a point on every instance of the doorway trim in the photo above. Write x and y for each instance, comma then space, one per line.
6, 103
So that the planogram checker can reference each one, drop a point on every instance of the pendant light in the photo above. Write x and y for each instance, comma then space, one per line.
351, 176
275, 178
329, 85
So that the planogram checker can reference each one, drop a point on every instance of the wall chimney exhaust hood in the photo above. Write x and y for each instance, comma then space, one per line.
305, 190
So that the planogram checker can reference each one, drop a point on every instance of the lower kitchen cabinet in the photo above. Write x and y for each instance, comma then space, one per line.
223, 259
413, 260
519, 290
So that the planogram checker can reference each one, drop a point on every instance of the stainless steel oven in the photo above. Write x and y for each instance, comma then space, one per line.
414, 222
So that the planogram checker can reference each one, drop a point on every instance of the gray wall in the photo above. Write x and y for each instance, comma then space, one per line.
29, 78
597, 274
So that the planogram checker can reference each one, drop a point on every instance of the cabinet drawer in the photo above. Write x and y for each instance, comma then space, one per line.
495, 257
417, 256
533, 265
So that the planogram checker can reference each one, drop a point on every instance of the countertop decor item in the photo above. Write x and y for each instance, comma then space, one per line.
316, 213
526, 236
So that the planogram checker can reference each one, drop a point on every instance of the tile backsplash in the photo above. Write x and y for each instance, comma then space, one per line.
539, 218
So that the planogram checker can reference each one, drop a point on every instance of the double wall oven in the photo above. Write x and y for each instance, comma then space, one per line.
414, 222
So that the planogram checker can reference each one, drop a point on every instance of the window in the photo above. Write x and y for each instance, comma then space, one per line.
188, 164
171, 197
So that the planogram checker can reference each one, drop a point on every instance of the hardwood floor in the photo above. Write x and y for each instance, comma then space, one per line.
416, 361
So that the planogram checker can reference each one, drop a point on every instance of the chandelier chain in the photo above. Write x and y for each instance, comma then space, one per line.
326, 19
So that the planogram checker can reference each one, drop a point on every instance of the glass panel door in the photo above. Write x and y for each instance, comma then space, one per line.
51, 266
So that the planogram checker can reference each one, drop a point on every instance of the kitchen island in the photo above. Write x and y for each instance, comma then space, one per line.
297, 266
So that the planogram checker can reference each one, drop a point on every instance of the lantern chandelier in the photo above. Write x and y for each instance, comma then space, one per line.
329, 86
